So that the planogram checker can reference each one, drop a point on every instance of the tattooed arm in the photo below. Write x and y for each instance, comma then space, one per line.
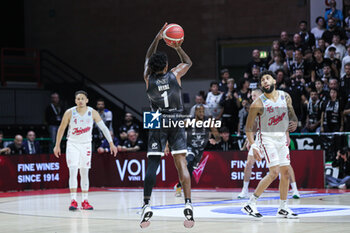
293, 119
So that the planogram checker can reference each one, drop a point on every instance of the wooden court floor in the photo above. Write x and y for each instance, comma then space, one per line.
117, 210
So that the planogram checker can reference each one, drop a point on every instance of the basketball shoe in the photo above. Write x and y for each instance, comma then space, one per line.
145, 216
73, 205
296, 194
251, 210
188, 212
286, 213
243, 195
86, 206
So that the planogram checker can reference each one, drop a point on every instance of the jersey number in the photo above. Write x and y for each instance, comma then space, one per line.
166, 101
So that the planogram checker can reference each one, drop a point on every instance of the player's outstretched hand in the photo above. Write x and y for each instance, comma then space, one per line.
256, 153
114, 150
176, 45
160, 33
57, 151
292, 126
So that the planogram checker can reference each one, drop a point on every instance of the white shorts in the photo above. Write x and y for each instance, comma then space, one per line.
78, 155
250, 153
275, 150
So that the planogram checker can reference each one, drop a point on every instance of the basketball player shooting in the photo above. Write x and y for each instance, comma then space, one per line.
78, 153
276, 116
164, 92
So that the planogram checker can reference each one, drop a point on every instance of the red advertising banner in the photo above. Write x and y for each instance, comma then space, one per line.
216, 170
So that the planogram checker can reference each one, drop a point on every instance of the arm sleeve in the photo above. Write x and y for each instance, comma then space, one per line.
104, 130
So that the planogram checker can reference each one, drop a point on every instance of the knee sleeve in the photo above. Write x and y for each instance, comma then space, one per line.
150, 179
84, 179
73, 176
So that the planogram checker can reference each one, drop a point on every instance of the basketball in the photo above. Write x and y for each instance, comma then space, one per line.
173, 33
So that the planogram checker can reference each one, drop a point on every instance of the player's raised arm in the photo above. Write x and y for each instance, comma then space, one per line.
151, 50
99, 122
65, 121
181, 69
293, 119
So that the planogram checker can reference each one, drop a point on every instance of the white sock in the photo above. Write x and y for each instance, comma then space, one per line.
84, 196
73, 196
253, 199
294, 186
245, 186
283, 204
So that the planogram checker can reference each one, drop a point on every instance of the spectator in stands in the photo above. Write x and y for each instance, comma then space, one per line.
340, 49
242, 116
16, 148
128, 124
334, 13
308, 56
244, 91
327, 75
275, 51
331, 117
284, 41
342, 161
3, 150
345, 84
307, 38
333, 83
345, 60
132, 144
106, 115
230, 102
213, 100
104, 147
200, 101
280, 78
322, 45
255, 62
225, 75
323, 95
53, 115
313, 118
30, 145
277, 64
347, 27
333, 30
226, 143
317, 65
335, 62
319, 29
289, 61
254, 77
299, 63
298, 43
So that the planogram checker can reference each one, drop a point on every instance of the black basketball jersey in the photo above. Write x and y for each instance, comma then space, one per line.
197, 137
164, 93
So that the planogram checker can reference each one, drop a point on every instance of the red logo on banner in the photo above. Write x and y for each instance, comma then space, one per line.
198, 172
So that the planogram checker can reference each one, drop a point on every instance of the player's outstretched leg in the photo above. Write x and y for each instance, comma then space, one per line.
247, 173
150, 180
73, 184
283, 211
185, 180
293, 183
250, 207
84, 184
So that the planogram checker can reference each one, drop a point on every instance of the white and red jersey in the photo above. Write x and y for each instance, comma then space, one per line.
80, 127
274, 121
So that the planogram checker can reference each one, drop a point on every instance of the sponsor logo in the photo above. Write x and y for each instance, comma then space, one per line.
276, 119
154, 145
79, 131
197, 173
151, 120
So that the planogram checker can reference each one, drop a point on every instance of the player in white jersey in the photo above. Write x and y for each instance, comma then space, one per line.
251, 160
276, 116
78, 151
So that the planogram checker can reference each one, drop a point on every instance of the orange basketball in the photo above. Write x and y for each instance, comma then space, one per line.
173, 33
